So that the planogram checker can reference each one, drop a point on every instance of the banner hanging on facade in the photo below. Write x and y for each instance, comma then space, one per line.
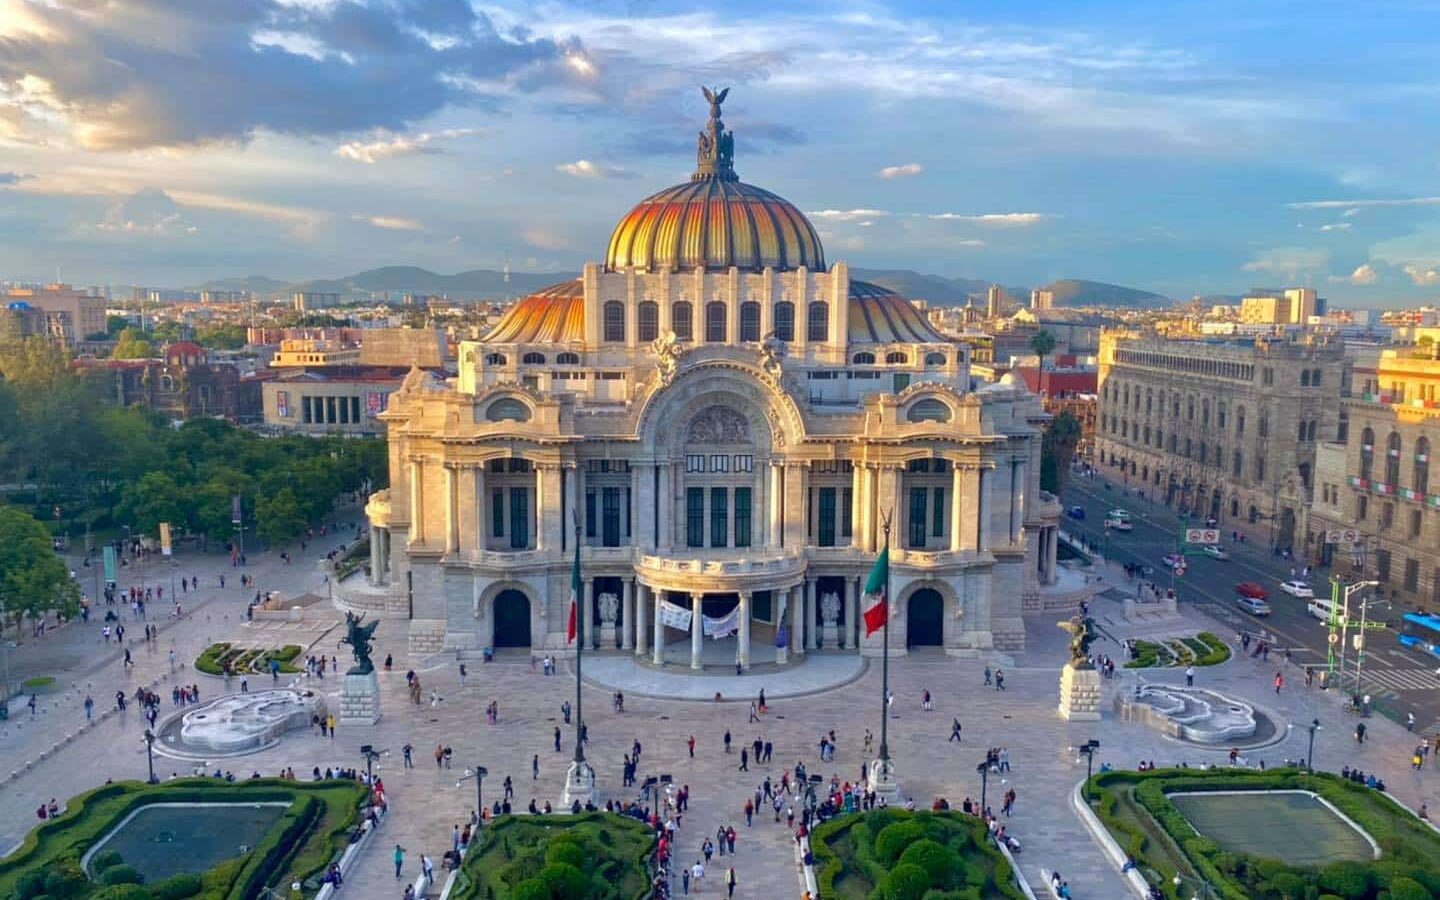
722, 627
165, 546
282, 404
110, 563
672, 616
375, 403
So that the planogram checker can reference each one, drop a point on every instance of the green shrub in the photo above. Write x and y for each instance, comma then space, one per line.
30, 885
565, 881
938, 861
66, 879
893, 839
1350, 880
121, 892
121, 874
531, 889
567, 852
37, 682
177, 887
103, 861
1408, 889
905, 882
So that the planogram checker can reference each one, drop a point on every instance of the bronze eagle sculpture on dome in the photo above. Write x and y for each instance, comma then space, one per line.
716, 96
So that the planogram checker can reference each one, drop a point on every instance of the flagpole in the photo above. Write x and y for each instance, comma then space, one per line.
885, 657
579, 653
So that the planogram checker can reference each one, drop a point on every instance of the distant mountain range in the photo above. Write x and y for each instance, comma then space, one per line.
490, 284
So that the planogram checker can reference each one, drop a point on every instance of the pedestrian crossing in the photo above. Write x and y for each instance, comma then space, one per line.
1402, 679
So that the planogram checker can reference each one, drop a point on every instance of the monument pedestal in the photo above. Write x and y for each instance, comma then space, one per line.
881, 780
608, 634
360, 699
830, 636
782, 655
579, 785
1079, 694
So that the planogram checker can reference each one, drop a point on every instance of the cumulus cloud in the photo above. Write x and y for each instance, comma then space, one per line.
1289, 262
1336, 226
10, 178
847, 215
1422, 276
225, 70
391, 223
149, 211
1352, 207
584, 168
390, 146
1364, 274
905, 171
995, 220
544, 238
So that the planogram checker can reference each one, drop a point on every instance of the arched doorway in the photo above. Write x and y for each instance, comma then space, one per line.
512, 619
924, 619
1285, 539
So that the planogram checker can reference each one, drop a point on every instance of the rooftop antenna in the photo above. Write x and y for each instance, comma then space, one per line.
507, 275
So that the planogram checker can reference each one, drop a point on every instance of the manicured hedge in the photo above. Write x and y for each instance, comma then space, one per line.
313, 830
246, 660
898, 855
1205, 649
1410, 849
592, 856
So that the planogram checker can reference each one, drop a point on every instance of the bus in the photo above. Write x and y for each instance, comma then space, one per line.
1421, 631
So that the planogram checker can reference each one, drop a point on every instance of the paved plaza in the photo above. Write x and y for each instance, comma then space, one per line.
426, 801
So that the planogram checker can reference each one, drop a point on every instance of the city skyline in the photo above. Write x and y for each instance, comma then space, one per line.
1194, 150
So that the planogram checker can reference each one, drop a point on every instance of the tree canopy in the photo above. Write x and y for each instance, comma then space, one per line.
1057, 449
33, 578
133, 344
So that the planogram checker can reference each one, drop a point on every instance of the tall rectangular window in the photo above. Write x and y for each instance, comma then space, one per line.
847, 512
519, 518
719, 517
917, 517
589, 514
694, 517
827, 517
610, 516
355, 409
305, 409
497, 513
1412, 575
1382, 566
742, 517
937, 514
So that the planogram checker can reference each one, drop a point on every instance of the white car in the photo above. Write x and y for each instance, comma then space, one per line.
1297, 588
1252, 606
1215, 551
1119, 524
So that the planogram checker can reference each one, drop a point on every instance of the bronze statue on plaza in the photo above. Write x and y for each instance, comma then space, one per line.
360, 637
1082, 634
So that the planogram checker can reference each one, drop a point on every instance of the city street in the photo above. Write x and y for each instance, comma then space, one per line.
1400, 680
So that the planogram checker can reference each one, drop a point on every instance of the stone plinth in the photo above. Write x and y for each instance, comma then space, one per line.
360, 699
579, 785
881, 779
608, 634
830, 636
1079, 694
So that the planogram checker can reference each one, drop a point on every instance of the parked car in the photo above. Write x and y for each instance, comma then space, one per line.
1252, 606
1076, 512
1297, 588
1215, 551
1174, 561
1252, 590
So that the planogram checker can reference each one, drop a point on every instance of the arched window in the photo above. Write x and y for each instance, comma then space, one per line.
1149, 400
682, 321
567, 359
1315, 378
649, 320
1263, 429
1220, 417
1253, 515
1235, 463
1342, 428
533, 359
750, 321
1239, 421
785, 320
1234, 506
1190, 409
1392, 459
495, 359
1304, 377
167, 383
897, 357
818, 327
1205, 411
934, 359
1301, 436
1367, 454
863, 359
1420, 483
1310, 431
928, 410
715, 322
507, 409
614, 321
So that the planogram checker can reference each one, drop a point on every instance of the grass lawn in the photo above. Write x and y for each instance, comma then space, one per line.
247, 660
904, 855
1295, 828
592, 856
311, 831
1203, 649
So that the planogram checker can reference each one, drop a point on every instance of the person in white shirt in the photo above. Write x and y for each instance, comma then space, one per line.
697, 872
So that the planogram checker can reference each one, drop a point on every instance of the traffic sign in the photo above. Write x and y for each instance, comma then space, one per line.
1202, 535
1334, 638
1342, 536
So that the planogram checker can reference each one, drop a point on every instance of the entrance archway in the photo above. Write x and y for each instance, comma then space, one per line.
512, 619
924, 619
1285, 539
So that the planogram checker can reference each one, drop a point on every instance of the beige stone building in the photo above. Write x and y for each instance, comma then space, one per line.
1225, 430
1376, 481
725, 420
73, 315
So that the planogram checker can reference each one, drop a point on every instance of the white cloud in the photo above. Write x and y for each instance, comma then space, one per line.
967, 243
847, 215
904, 171
584, 168
1289, 262
391, 223
387, 146
544, 238
995, 220
1336, 226
1422, 276
1351, 207
1364, 274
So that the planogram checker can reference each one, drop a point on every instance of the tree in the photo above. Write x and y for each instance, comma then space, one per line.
278, 517
223, 337
1057, 449
132, 344
33, 580
1043, 343
155, 498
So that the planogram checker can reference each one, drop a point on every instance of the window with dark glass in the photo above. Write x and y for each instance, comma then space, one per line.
589, 514
785, 321
937, 513
750, 321
827, 517
847, 512
818, 327
682, 321
614, 321
519, 518
694, 517
610, 516
719, 517
497, 514
649, 321
917, 517
715, 323
742, 517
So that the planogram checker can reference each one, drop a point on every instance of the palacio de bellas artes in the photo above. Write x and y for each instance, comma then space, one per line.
726, 419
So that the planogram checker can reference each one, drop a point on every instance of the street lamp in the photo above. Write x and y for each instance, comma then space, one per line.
371, 756
984, 770
150, 755
478, 773
1088, 750
1310, 758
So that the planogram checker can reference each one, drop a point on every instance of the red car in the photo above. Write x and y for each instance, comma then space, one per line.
1252, 590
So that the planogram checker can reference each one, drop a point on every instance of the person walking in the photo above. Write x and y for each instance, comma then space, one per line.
999, 679
987, 676
1279, 682
399, 860
697, 871
730, 882
925, 700
535, 767
557, 739
690, 744
727, 739
954, 731
1360, 733
753, 716
1189, 676
89, 707
744, 760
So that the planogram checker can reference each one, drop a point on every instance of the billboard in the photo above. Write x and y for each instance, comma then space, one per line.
165, 546
375, 403
282, 404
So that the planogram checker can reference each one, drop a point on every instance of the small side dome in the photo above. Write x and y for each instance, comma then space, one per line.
1011, 380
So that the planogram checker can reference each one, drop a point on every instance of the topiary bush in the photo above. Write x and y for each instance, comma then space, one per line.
938, 861
1408, 889
121, 892
103, 861
905, 882
565, 881
567, 852
1349, 880
894, 838
531, 889
121, 874
177, 887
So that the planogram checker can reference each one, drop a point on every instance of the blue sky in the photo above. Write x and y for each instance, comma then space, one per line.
1181, 147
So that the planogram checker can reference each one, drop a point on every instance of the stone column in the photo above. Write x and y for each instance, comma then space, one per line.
1052, 555
384, 534
776, 503
982, 535
970, 522
644, 513
587, 602
667, 506
745, 608
659, 648
481, 516
852, 614
795, 505
797, 620
540, 516
627, 629
697, 636
759, 514
1017, 526
957, 506
780, 604
417, 501
888, 501
810, 629
452, 510
857, 507
567, 515
642, 618
377, 574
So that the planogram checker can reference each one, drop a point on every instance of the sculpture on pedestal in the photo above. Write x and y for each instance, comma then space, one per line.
360, 637
1082, 636
609, 608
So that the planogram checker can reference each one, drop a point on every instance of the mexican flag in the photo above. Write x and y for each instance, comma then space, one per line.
575, 590
877, 586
